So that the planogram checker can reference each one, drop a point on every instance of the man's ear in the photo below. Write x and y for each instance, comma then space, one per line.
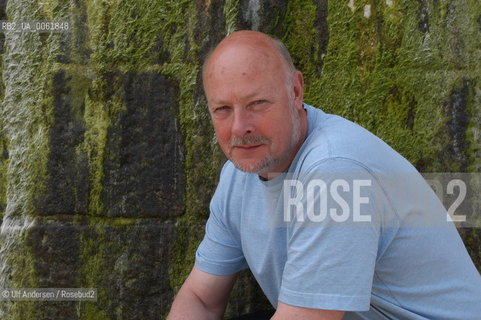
298, 87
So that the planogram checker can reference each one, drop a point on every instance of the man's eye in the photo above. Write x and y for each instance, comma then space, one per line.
222, 111
223, 108
259, 105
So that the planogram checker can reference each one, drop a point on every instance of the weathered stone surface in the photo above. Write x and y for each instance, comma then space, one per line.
262, 15
458, 120
3, 141
3, 175
128, 261
143, 168
247, 296
53, 247
83, 143
67, 185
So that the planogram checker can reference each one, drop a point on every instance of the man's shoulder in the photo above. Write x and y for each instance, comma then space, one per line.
340, 136
333, 137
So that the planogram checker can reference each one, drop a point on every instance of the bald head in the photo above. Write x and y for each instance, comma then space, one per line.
267, 49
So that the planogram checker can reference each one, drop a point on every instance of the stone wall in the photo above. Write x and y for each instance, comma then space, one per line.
107, 157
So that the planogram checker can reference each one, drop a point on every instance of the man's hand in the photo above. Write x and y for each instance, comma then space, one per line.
202, 296
287, 312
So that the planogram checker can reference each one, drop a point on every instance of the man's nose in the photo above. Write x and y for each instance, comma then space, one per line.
242, 124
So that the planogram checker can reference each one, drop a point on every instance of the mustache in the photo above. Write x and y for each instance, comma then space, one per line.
235, 141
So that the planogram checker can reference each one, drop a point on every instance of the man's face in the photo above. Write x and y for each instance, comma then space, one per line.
254, 109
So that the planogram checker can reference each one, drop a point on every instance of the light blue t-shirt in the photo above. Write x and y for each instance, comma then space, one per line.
367, 235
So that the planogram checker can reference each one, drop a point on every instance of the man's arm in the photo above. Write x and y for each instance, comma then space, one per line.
202, 296
287, 312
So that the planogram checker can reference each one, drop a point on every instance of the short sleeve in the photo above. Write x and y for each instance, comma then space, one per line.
331, 261
220, 252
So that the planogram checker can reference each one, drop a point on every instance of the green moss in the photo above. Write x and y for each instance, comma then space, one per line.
95, 269
25, 129
100, 246
386, 74
97, 121
191, 114
231, 11
22, 276
155, 36
30, 62
300, 25
26, 112
473, 135
135, 36
182, 66
3, 152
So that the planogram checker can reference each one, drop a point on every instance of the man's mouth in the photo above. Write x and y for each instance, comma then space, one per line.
246, 149
248, 146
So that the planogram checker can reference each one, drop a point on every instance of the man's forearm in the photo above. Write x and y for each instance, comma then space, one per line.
188, 306
203, 296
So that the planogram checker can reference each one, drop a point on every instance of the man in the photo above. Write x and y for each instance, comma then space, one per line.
393, 260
